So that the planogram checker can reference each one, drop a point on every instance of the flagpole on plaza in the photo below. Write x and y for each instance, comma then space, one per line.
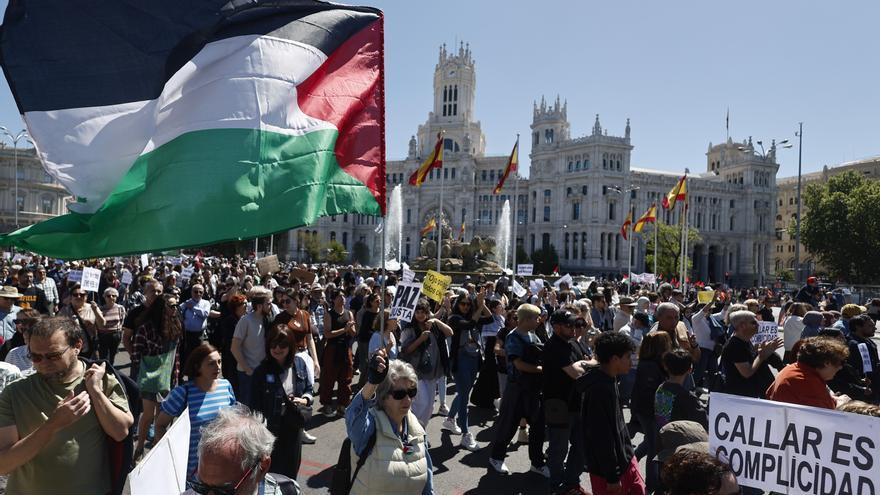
515, 209
629, 250
440, 216
384, 278
684, 236
656, 228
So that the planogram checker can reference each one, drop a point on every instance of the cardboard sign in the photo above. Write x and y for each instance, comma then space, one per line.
268, 265
74, 276
91, 279
517, 289
705, 296
767, 330
435, 284
405, 299
525, 269
163, 469
791, 449
304, 276
127, 277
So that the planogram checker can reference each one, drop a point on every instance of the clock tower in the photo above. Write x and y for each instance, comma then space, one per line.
454, 86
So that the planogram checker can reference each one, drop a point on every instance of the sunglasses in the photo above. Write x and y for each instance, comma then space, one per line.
225, 489
51, 356
78, 294
283, 345
399, 394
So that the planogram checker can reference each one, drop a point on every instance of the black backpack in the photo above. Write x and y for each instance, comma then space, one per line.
343, 478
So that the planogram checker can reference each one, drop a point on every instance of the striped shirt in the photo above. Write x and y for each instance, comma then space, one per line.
113, 319
203, 407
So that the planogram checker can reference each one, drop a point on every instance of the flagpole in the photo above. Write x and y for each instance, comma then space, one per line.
515, 207
440, 218
684, 236
629, 250
384, 278
656, 228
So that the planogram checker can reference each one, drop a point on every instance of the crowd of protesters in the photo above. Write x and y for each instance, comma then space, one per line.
559, 366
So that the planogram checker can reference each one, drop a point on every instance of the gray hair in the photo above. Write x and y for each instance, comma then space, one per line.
397, 370
737, 318
239, 428
111, 291
664, 307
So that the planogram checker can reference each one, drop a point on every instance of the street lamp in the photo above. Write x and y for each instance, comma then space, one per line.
15, 139
797, 245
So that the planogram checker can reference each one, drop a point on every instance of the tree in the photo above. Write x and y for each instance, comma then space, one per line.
522, 258
669, 248
312, 247
336, 253
361, 253
841, 227
545, 260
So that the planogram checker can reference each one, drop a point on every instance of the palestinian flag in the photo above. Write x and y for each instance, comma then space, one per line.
434, 160
650, 216
678, 193
177, 123
512, 165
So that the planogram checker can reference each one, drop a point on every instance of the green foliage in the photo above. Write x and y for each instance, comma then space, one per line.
545, 260
335, 253
841, 226
669, 249
361, 253
785, 275
312, 247
522, 258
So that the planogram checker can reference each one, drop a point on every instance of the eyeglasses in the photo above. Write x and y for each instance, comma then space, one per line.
110, 295
399, 394
225, 489
78, 294
51, 356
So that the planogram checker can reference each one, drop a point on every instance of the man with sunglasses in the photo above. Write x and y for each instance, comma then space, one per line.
196, 311
237, 438
54, 424
8, 309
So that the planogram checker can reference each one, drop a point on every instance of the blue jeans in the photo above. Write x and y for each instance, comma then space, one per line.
465, 377
566, 473
243, 394
627, 382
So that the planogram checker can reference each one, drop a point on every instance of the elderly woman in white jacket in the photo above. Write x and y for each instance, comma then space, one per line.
398, 462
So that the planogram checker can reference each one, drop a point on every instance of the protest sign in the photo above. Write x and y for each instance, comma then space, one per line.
268, 265
127, 277
303, 276
536, 285
145, 260
187, 273
405, 298
7, 255
435, 284
525, 269
175, 261
163, 468
792, 449
408, 275
705, 296
565, 279
74, 276
91, 279
767, 330
519, 290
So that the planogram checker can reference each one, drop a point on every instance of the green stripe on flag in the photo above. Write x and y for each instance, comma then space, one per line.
205, 187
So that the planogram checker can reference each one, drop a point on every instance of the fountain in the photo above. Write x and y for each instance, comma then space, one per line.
393, 230
502, 237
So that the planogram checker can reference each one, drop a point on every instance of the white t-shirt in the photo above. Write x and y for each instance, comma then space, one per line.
791, 331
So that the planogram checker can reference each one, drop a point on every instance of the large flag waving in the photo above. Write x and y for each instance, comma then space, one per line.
678, 193
650, 216
626, 225
178, 123
431, 225
512, 166
434, 160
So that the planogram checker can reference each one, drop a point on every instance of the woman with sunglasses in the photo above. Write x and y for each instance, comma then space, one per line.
280, 390
89, 317
423, 344
299, 322
399, 461
110, 333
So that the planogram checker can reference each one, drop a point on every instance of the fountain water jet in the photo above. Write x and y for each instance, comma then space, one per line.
393, 230
502, 238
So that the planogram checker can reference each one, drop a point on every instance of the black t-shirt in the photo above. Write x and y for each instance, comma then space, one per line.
738, 350
558, 354
132, 317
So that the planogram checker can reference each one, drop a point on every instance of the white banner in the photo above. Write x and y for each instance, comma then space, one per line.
767, 330
519, 290
405, 299
565, 279
535, 286
163, 469
187, 273
791, 449
145, 260
408, 275
127, 277
91, 279
525, 269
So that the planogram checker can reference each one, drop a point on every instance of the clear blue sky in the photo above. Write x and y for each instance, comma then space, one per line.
674, 68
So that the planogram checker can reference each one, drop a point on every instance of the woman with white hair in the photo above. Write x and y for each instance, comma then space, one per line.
110, 333
382, 427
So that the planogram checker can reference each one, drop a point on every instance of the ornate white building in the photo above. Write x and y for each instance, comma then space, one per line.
569, 200
40, 196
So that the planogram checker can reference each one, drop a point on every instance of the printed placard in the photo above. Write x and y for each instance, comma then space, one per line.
767, 330
187, 272
536, 285
74, 276
525, 269
127, 277
91, 279
518, 290
435, 284
705, 296
405, 299
565, 279
145, 260
786, 448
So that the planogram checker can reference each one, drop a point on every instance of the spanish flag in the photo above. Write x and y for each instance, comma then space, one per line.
678, 193
626, 225
512, 166
435, 160
428, 227
461, 232
650, 216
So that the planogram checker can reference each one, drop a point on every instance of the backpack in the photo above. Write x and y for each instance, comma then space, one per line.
121, 454
287, 485
343, 478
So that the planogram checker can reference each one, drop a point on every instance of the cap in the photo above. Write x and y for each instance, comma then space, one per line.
563, 317
626, 301
316, 286
850, 310
679, 433
811, 280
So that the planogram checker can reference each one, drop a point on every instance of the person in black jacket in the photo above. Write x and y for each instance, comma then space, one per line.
861, 346
672, 402
610, 458
649, 375
280, 389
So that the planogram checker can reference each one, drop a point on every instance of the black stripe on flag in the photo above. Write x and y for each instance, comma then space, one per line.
78, 53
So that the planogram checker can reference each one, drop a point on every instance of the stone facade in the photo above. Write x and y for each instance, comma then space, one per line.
568, 200
40, 196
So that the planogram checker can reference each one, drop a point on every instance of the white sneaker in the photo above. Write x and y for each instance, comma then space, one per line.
523, 436
443, 411
499, 466
450, 426
543, 470
468, 442
497, 404
308, 438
